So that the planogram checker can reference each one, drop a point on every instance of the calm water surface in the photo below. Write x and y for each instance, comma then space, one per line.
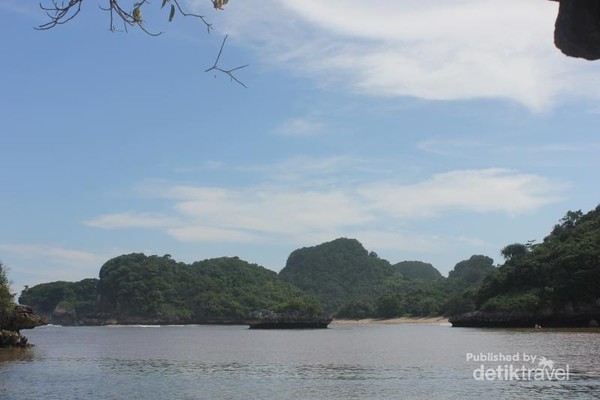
378, 361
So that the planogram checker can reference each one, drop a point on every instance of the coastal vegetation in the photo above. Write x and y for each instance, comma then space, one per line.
76, 299
340, 273
136, 288
340, 278
14, 317
557, 278
352, 282
6, 297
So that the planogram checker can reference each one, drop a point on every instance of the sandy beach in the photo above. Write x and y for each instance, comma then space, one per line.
402, 320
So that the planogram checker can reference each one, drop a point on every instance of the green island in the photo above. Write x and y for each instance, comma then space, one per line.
338, 278
552, 283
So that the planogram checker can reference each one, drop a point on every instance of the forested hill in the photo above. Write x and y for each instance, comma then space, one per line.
341, 276
136, 288
418, 270
352, 282
556, 281
62, 301
339, 272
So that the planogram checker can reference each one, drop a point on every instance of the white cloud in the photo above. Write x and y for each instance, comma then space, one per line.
52, 254
270, 210
130, 220
300, 127
403, 241
307, 171
277, 211
420, 48
452, 147
199, 233
578, 148
480, 191
411, 242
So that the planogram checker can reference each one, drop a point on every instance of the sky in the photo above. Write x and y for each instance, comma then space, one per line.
428, 130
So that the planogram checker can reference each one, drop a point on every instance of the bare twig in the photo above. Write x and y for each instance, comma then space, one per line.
128, 19
62, 11
60, 14
185, 14
228, 72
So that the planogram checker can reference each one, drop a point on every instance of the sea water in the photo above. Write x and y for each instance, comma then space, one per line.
346, 361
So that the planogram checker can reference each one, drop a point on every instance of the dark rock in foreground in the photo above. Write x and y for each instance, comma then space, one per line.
12, 339
21, 317
577, 28
288, 320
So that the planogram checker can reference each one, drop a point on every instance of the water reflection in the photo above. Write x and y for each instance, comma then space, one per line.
12, 355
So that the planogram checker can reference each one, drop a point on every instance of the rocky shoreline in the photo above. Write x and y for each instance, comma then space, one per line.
518, 319
392, 321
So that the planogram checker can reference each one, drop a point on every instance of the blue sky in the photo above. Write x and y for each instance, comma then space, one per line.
427, 130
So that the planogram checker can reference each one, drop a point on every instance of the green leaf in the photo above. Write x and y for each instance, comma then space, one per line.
172, 14
163, 3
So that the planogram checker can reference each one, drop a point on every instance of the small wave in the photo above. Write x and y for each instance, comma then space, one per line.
130, 326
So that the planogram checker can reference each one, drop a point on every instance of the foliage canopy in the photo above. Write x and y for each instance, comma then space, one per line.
6, 297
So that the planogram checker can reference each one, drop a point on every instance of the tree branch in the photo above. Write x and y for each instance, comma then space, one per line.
60, 13
185, 14
228, 72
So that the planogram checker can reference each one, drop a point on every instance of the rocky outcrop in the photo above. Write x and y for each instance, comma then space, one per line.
587, 316
12, 339
11, 323
577, 28
288, 320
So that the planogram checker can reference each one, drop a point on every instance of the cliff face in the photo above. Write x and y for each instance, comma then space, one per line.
21, 317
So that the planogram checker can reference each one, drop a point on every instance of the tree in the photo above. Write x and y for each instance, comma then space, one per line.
468, 273
389, 305
514, 251
130, 14
6, 297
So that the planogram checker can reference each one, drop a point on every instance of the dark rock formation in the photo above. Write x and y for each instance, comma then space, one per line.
21, 317
577, 28
567, 318
288, 320
12, 339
